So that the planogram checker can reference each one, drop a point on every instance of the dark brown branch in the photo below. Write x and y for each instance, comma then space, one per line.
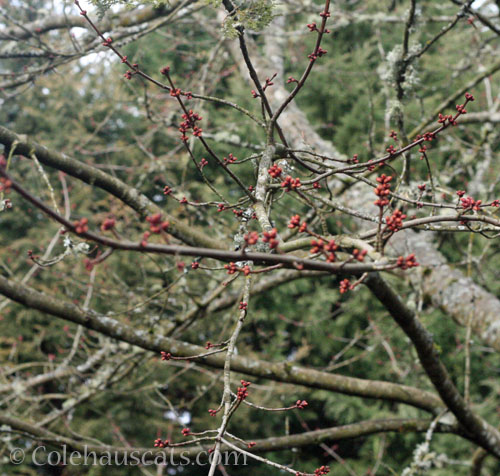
280, 372
482, 18
355, 430
96, 177
486, 435
287, 261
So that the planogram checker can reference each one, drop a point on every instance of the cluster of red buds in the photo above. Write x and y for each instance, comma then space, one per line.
81, 226
331, 246
395, 221
159, 443
251, 238
345, 285
221, 207
275, 171
189, 122
108, 224
203, 162
301, 404
290, 183
294, 222
391, 150
422, 150
145, 237
409, 262
270, 237
156, 224
231, 268
319, 246
242, 392
383, 190
469, 203
354, 159
317, 54
359, 254
269, 81
243, 306
128, 74
442, 118
195, 265
313, 27
165, 355
251, 444
321, 471
5, 184
167, 190
317, 472
212, 412
230, 159
428, 137
186, 431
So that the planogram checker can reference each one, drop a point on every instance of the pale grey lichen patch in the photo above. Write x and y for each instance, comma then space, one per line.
111, 324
